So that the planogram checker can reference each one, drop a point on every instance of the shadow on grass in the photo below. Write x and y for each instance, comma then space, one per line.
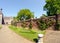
35, 40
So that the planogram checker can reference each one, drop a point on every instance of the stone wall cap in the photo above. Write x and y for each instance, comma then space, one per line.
40, 35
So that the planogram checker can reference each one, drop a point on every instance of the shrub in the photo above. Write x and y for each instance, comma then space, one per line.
23, 24
30, 25
13, 23
42, 25
45, 22
58, 26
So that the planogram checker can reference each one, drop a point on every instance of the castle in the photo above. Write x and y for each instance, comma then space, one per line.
5, 20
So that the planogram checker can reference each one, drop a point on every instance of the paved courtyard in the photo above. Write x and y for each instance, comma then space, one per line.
52, 36
8, 36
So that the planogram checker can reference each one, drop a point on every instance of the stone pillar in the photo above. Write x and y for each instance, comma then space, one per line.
40, 38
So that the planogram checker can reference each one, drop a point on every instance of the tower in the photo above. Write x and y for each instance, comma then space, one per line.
1, 17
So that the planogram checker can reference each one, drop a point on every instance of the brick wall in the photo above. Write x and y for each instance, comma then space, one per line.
34, 22
27, 23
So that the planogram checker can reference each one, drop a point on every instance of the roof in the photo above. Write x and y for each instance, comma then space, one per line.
8, 18
1, 13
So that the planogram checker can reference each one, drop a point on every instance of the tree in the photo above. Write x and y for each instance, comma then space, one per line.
52, 7
25, 14
44, 15
15, 19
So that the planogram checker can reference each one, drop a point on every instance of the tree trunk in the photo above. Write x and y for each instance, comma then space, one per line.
56, 24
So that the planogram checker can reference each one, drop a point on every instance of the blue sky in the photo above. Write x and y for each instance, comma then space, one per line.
12, 7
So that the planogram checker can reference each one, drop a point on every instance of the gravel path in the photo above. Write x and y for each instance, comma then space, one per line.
52, 36
8, 36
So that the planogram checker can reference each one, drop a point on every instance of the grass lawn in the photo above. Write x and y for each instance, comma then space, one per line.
0, 26
28, 34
